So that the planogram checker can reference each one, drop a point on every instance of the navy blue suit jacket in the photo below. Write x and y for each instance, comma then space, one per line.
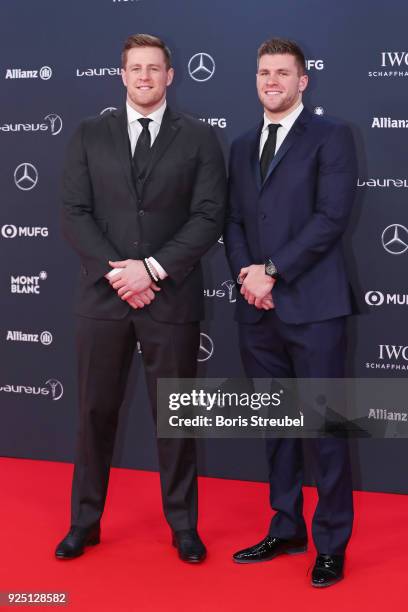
296, 217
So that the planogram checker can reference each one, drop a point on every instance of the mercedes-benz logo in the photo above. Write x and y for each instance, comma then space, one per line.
206, 347
26, 176
395, 239
55, 123
201, 67
374, 298
57, 390
108, 109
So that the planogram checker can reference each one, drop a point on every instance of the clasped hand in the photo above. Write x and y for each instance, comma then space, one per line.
132, 283
257, 286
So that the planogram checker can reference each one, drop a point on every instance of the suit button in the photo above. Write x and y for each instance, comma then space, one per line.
263, 216
136, 243
141, 213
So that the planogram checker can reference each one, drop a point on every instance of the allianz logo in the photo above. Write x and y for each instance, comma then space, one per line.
382, 182
389, 122
97, 72
14, 335
44, 73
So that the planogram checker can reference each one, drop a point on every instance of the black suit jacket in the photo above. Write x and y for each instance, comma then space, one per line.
175, 214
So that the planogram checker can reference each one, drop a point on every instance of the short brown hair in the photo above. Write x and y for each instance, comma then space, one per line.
283, 46
145, 40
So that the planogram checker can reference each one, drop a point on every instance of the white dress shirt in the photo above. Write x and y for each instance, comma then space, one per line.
286, 124
134, 131
135, 128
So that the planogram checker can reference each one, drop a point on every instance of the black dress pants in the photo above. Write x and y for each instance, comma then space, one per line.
105, 351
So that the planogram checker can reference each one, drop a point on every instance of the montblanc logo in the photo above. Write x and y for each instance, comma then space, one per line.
201, 67
45, 337
215, 122
316, 64
44, 73
27, 284
98, 72
390, 357
228, 289
378, 298
392, 64
383, 182
23, 231
389, 123
52, 124
51, 389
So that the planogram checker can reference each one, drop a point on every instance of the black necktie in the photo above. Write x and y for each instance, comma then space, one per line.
142, 149
268, 151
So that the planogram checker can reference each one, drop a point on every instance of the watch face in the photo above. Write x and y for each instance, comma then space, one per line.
270, 268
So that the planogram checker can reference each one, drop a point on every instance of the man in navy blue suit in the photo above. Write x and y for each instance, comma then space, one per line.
292, 184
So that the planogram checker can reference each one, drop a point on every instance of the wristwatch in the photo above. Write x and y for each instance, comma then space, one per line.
270, 268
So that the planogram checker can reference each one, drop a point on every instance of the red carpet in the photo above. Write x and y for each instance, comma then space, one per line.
135, 568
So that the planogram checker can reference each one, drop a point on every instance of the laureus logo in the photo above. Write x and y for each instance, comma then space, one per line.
55, 122
52, 389
56, 388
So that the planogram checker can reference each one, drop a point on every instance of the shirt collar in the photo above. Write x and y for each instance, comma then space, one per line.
287, 121
157, 116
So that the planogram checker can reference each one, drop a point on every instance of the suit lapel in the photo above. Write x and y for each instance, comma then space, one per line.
168, 130
119, 131
295, 133
254, 145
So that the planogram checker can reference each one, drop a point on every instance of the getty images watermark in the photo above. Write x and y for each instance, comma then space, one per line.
208, 401
306, 408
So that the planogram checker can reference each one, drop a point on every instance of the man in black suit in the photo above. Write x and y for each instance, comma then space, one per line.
143, 200
292, 184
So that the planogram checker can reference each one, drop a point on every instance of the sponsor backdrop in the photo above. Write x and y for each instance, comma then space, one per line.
59, 66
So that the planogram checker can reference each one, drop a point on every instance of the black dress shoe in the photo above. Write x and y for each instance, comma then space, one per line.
75, 541
328, 570
189, 545
270, 548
